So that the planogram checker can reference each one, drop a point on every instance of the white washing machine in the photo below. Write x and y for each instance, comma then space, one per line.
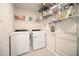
20, 43
38, 38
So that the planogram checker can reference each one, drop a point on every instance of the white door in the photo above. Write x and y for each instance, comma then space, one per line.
20, 43
38, 39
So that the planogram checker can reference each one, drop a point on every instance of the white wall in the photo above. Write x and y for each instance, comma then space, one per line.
7, 17
0, 28
19, 24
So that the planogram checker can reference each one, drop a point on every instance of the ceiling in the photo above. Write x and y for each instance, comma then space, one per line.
28, 6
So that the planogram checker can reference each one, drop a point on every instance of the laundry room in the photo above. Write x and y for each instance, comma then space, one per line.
39, 29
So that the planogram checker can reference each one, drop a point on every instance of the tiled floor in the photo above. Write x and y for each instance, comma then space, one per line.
40, 52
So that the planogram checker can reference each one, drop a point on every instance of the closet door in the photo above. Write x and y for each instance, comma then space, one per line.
66, 38
38, 39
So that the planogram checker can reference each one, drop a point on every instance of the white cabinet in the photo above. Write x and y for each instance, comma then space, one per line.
38, 39
66, 38
20, 43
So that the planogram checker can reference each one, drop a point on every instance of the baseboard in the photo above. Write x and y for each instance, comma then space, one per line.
53, 52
